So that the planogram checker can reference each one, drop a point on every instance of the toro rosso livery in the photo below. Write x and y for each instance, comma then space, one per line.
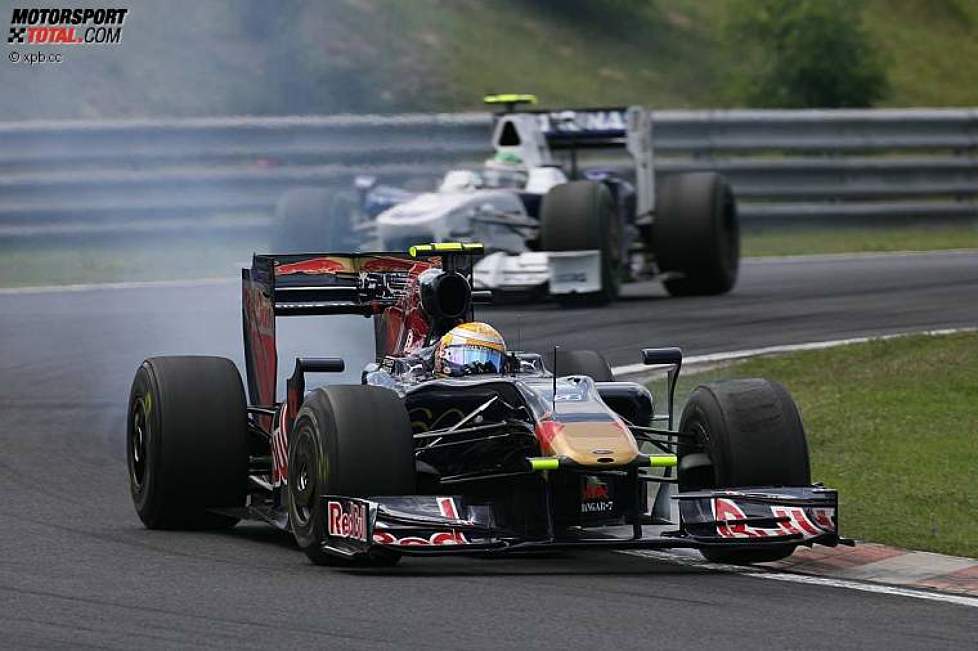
554, 220
454, 444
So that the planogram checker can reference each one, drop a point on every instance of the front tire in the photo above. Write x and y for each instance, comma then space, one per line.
748, 433
354, 441
187, 442
579, 216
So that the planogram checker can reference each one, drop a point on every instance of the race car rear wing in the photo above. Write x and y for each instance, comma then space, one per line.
382, 284
534, 134
568, 128
317, 284
584, 128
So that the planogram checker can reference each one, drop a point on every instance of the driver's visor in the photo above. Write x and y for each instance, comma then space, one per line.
458, 357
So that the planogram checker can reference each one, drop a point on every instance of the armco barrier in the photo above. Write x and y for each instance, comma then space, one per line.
786, 166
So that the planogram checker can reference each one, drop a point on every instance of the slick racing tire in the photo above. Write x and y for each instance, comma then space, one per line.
313, 220
354, 441
747, 433
696, 234
579, 216
187, 442
584, 362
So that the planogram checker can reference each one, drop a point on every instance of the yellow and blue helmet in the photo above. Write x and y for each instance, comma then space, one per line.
470, 349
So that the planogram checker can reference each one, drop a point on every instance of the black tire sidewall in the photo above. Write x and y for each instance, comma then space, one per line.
740, 458
196, 448
696, 233
584, 362
365, 449
702, 416
145, 497
309, 535
610, 237
575, 216
752, 432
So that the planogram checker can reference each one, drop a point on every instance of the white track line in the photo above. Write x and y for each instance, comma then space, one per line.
826, 257
91, 287
713, 358
864, 255
760, 573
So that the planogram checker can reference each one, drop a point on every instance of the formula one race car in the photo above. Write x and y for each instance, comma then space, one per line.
571, 232
470, 449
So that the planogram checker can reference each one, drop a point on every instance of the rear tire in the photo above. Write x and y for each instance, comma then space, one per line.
313, 220
187, 442
581, 215
584, 362
696, 234
749, 433
354, 441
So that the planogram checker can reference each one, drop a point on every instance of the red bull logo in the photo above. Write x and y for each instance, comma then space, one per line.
388, 264
350, 524
596, 497
315, 266
594, 490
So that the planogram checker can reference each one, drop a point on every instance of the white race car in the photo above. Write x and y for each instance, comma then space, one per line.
570, 232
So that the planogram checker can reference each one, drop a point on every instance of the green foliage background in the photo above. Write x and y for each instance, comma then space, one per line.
213, 57
804, 53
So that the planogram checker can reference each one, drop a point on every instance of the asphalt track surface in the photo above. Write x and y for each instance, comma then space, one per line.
77, 569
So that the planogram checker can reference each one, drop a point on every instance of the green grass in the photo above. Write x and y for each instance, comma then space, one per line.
661, 56
893, 425
664, 54
931, 47
847, 239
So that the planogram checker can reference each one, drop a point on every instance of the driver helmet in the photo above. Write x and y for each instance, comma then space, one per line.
505, 170
470, 349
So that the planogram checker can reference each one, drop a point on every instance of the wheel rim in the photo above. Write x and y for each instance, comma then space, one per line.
303, 479
138, 435
701, 480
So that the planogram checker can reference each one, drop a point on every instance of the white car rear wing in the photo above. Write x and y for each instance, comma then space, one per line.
533, 135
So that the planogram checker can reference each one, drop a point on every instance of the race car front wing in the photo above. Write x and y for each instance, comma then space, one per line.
560, 272
754, 518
